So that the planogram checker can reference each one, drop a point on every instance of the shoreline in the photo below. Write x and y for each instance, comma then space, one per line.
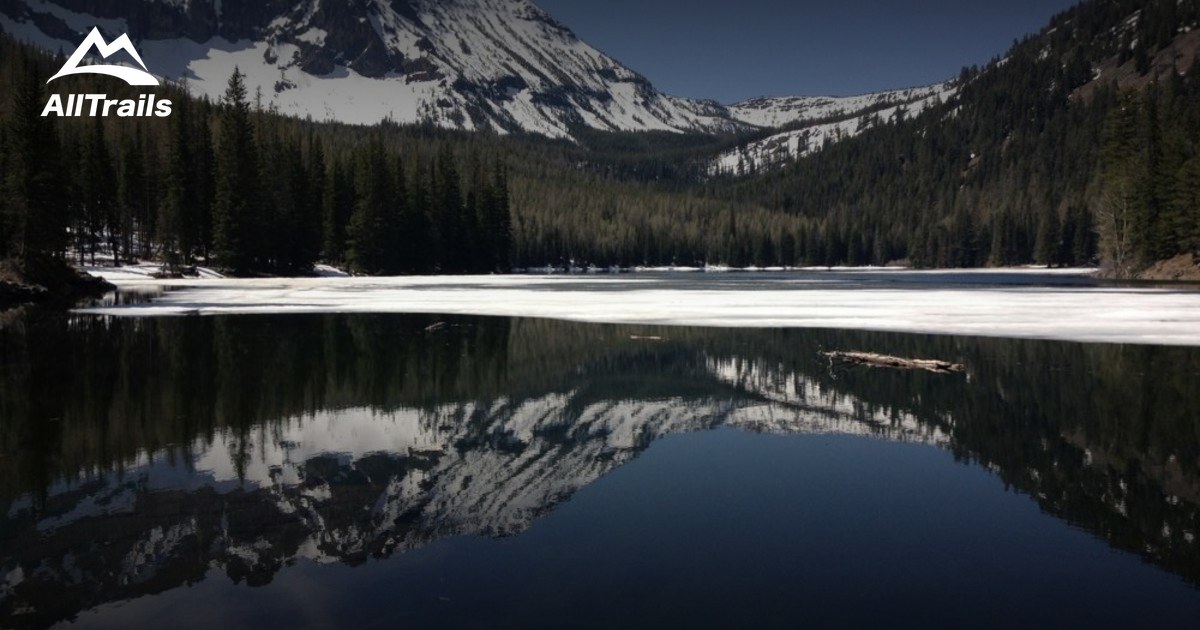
1025, 305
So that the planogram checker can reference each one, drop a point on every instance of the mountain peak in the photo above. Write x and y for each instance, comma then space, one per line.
500, 65
503, 65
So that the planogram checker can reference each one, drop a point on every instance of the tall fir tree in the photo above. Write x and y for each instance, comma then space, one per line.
337, 206
314, 172
33, 185
1119, 208
369, 247
96, 190
201, 145
447, 206
404, 231
295, 223
498, 221
237, 207
176, 220
1049, 240
131, 184
1186, 204
420, 218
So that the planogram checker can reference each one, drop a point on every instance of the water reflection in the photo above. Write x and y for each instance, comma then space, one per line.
140, 455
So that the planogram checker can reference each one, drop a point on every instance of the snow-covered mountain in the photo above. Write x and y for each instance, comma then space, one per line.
469, 64
504, 65
790, 110
813, 121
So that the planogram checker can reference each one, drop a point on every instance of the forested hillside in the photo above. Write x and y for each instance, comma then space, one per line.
235, 185
1080, 141
239, 187
1080, 145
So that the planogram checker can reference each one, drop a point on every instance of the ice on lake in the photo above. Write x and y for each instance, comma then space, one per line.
1034, 304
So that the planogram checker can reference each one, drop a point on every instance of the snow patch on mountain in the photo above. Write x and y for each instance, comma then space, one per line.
502, 65
783, 111
834, 124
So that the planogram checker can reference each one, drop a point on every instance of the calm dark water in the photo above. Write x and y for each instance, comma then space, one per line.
379, 471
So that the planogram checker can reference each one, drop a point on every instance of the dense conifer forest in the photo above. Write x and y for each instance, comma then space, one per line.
236, 186
1081, 145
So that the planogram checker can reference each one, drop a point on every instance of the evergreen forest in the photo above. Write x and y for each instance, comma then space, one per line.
1080, 145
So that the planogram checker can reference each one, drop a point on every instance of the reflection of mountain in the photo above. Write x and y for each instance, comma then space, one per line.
244, 444
345, 486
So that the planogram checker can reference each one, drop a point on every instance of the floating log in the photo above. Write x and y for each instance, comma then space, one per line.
898, 363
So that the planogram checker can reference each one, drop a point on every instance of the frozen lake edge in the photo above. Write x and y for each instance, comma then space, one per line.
1064, 305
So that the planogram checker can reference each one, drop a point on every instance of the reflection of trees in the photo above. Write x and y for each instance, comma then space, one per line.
91, 393
1104, 436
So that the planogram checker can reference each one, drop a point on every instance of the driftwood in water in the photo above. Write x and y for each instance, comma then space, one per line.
880, 360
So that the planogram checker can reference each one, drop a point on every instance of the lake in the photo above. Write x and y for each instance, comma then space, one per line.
356, 469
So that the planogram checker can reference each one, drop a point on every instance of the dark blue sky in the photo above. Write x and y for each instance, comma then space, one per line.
730, 50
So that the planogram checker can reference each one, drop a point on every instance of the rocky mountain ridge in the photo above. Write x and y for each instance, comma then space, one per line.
502, 65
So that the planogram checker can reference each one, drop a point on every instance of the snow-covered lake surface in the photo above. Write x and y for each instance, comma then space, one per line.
1063, 305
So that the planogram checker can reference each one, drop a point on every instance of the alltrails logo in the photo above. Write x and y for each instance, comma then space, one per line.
100, 104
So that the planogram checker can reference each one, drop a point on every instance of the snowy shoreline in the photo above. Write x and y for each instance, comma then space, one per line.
1028, 304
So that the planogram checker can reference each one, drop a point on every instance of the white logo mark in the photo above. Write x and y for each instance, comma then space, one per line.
132, 76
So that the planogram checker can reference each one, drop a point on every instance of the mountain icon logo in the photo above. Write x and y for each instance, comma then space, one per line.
95, 40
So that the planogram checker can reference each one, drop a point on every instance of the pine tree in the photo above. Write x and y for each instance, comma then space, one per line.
497, 222
1083, 248
1003, 250
131, 194
1152, 237
236, 204
175, 218
93, 183
420, 220
731, 236
32, 183
313, 173
368, 249
297, 222
1119, 209
406, 229
201, 145
337, 205
964, 241
1049, 240
1186, 203
477, 245
447, 205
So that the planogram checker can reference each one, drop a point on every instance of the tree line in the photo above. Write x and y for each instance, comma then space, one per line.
1022, 166
1017, 168
236, 186
1150, 193
1013, 170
